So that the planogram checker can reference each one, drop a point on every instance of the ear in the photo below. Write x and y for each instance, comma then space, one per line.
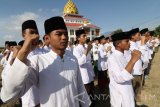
78, 38
47, 37
118, 44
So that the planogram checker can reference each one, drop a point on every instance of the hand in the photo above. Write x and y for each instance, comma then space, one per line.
153, 43
31, 41
29, 44
15, 51
89, 47
135, 56
95, 52
108, 48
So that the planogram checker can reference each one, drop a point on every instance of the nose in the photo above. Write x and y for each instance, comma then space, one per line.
64, 36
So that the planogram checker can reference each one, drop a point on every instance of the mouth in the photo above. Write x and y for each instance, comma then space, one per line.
64, 43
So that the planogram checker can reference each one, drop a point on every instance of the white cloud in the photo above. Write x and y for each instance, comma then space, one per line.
16, 21
10, 27
9, 37
56, 11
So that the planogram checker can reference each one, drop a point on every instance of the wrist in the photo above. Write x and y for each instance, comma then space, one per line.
133, 61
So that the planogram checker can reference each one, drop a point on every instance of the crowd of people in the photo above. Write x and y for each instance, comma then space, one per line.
58, 73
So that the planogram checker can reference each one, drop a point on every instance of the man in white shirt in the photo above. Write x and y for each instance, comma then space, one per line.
146, 54
108, 46
31, 97
102, 64
55, 73
137, 69
70, 47
95, 55
121, 90
5, 53
83, 56
46, 45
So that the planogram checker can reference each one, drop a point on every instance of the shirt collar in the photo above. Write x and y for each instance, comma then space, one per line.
55, 55
119, 53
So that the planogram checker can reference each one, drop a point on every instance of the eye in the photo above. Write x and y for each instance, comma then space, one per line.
33, 32
59, 33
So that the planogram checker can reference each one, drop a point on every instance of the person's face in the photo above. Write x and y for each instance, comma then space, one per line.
7, 46
11, 48
137, 36
82, 38
29, 31
96, 42
124, 44
147, 36
103, 41
59, 39
107, 40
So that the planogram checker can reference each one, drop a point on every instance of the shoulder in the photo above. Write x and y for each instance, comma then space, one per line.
38, 56
111, 57
70, 56
71, 59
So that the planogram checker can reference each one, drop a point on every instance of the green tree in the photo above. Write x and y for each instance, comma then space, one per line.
157, 30
117, 31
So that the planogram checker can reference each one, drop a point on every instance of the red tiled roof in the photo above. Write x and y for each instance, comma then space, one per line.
78, 25
75, 18
92, 26
74, 24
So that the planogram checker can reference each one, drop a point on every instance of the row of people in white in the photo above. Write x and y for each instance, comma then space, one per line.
44, 71
38, 70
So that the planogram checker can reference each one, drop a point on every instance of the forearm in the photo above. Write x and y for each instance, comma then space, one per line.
130, 66
24, 51
82, 58
17, 81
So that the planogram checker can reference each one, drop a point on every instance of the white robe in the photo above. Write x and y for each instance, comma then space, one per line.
85, 64
95, 52
59, 82
31, 97
137, 69
102, 58
46, 49
120, 86
4, 60
106, 46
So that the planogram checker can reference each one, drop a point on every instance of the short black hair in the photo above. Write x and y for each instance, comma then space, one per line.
115, 43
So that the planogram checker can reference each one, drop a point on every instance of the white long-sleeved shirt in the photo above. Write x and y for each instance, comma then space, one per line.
102, 58
85, 64
95, 52
58, 80
120, 86
137, 69
109, 45
31, 97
